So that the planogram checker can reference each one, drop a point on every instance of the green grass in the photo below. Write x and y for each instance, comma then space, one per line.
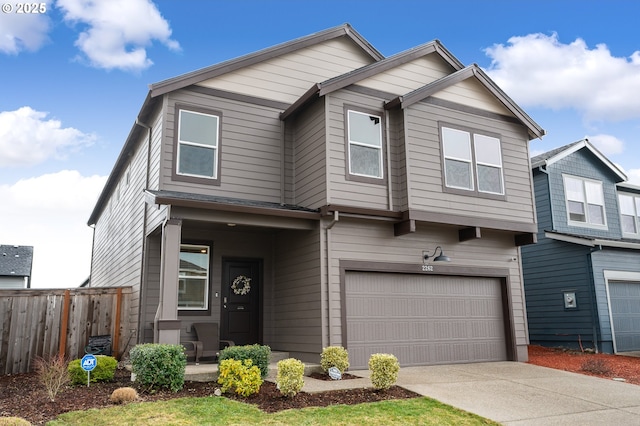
223, 411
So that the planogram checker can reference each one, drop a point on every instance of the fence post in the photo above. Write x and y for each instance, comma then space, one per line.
65, 323
116, 332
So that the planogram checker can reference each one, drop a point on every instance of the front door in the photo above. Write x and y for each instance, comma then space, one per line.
241, 317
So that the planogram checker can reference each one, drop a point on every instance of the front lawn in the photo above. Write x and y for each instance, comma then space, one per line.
223, 411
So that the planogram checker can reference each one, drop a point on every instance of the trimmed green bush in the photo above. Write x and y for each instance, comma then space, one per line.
159, 365
290, 376
104, 371
334, 356
384, 370
258, 354
242, 377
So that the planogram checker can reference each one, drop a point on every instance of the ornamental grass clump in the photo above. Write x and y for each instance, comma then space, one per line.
260, 355
159, 365
384, 370
53, 374
14, 421
123, 395
241, 377
290, 376
103, 372
334, 356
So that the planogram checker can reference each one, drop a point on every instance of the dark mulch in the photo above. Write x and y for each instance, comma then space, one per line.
24, 396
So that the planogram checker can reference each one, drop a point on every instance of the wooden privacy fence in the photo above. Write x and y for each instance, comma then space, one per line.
45, 323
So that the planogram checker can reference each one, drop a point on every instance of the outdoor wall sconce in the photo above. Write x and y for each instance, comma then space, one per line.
442, 258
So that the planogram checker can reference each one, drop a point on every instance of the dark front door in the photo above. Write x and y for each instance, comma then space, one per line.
241, 318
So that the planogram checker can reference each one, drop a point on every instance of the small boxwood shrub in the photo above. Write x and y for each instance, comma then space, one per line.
159, 365
258, 354
290, 376
334, 356
241, 377
104, 371
384, 370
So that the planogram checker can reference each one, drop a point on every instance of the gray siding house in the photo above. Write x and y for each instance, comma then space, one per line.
15, 266
582, 278
297, 195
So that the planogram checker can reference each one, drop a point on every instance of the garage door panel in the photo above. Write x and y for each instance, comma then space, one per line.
625, 312
424, 319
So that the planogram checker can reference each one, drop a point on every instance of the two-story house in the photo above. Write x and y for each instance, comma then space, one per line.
306, 195
582, 278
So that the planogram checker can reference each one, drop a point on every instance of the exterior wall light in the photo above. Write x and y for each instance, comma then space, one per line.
441, 258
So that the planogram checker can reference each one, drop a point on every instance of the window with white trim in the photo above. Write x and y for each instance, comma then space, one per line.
585, 202
471, 157
197, 144
193, 277
365, 144
630, 214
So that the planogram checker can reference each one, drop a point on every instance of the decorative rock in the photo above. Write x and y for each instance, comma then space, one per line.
335, 374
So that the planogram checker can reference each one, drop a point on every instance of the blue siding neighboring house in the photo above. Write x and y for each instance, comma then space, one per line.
582, 278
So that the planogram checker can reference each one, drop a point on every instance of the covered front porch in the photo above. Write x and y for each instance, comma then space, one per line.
252, 269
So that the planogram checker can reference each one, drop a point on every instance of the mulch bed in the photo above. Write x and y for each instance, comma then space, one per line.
22, 395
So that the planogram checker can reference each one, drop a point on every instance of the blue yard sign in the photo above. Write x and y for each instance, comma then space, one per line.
88, 363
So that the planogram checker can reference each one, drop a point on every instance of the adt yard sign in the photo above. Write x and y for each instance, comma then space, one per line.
88, 363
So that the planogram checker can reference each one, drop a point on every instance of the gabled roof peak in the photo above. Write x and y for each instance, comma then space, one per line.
557, 154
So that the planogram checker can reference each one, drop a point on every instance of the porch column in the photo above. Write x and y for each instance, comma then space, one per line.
167, 324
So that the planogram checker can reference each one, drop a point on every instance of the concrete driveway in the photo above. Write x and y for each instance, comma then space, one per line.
514, 393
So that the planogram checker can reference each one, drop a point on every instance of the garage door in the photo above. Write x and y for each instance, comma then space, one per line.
625, 312
424, 320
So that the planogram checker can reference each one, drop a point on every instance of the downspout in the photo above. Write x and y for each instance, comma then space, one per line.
592, 296
388, 144
282, 164
327, 284
143, 289
158, 314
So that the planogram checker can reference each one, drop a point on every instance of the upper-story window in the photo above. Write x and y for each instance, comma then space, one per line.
585, 202
193, 277
472, 161
365, 144
197, 144
630, 214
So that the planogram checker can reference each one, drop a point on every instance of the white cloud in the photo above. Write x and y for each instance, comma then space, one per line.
539, 70
634, 176
607, 144
118, 31
50, 213
27, 137
23, 31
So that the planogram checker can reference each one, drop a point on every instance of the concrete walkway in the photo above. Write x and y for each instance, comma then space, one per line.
514, 393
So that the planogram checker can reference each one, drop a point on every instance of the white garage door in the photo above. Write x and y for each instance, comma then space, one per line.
424, 319
625, 312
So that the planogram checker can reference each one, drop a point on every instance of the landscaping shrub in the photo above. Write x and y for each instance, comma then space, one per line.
241, 377
159, 365
53, 374
104, 371
290, 376
384, 370
334, 356
258, 354
14, 421
123, 395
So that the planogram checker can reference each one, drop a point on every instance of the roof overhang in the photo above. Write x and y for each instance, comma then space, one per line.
591, 242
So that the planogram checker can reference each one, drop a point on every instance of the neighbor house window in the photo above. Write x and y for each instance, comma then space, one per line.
630, 214
472, 160
198, 144
365, 144
193, 277
585, 201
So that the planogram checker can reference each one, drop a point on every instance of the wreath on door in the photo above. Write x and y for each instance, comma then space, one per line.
241, 285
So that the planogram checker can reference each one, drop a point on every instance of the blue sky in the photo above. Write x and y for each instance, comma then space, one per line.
74, 77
